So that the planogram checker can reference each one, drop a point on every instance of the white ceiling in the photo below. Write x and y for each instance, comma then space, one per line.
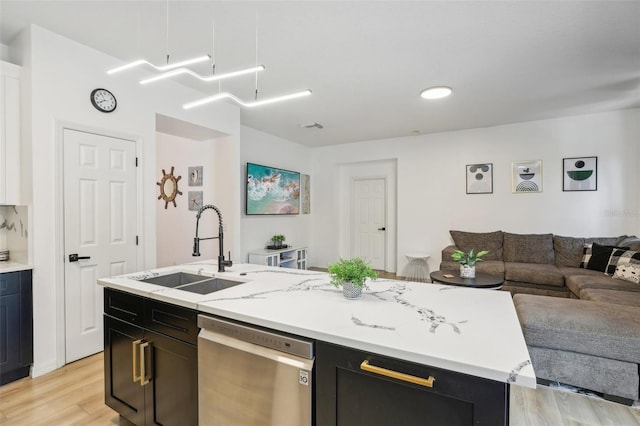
367, 61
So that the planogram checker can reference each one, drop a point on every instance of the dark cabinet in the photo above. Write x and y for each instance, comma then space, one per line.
16, 325
151, 360
358, 388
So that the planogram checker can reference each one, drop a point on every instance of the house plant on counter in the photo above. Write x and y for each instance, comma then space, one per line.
467, 261
352, 275
277, 241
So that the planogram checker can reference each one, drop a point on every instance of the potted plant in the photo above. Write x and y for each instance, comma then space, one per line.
351, 275
467, 261
277, 240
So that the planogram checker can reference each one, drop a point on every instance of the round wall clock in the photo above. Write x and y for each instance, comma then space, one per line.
103, 100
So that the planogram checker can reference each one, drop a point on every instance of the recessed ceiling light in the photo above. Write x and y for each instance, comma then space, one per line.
437, 92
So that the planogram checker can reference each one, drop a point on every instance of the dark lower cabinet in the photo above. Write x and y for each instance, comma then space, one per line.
16, 325
151, 378
347, 395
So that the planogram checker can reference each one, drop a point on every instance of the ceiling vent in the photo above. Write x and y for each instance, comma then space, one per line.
314, 125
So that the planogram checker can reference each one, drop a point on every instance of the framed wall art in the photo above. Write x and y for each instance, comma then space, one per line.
271, 190
480, 178
580, 174
195, 200
195, 176
305, 194
526, 176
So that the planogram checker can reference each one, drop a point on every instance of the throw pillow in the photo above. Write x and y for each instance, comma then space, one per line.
628, 272
600, 257
586, 255
491, 241
620, 256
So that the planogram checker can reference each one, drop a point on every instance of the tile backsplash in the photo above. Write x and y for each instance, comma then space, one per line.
14, 233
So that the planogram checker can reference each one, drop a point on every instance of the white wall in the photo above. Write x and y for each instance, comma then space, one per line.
176, 225
262, 148
60, 74
431, 183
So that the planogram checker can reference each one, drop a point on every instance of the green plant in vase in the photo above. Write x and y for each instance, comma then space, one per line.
277, 240
468, 260
352, 275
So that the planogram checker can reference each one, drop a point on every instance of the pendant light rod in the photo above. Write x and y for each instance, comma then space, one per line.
161, 68
214, 77
227, 95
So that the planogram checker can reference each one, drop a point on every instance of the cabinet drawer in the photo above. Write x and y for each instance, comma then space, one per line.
451, 398
174, 321
125, 306
9, 283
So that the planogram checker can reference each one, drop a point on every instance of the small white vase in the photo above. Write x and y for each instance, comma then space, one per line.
467, 271
351, 291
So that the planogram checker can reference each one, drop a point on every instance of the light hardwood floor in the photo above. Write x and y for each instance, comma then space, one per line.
74, 395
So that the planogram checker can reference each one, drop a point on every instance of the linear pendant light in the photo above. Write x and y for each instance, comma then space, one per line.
214, 77
227, 95
159, 68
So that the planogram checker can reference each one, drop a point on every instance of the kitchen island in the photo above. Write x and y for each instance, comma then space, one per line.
470, 332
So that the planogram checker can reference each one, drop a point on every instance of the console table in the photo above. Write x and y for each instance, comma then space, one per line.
289, 257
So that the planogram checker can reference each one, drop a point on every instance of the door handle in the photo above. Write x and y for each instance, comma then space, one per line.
135, 358
144, 369
74, 257
384, 228
397, 375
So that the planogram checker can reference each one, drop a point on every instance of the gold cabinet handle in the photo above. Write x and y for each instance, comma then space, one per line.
143, 367
135, 346
396, 375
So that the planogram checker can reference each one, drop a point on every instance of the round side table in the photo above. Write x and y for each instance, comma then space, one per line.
417, 269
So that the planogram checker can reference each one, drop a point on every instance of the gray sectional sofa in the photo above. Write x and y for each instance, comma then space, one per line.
588, 335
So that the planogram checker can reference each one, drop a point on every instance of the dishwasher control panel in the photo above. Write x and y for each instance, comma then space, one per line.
281, 342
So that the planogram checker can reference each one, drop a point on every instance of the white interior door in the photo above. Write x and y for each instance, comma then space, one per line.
99, 227
369, 217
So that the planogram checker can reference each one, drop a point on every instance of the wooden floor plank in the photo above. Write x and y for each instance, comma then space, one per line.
74, 395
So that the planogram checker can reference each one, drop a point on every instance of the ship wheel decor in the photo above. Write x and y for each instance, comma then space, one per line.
169, 188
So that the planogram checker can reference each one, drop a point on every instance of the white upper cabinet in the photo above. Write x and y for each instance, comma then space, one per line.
10, 134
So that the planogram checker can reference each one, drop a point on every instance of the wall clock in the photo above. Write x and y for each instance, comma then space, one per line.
103, 100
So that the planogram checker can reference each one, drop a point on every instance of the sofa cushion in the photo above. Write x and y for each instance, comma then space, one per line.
577, 283
535, 273
491, 241
528, 248
628, 272
568, 250
632, 242
611, 296
582, 326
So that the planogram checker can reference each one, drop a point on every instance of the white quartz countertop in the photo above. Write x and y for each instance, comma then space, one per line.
471, 331
8, 266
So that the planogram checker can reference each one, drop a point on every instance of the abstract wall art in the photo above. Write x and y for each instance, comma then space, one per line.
526, 176
271, 190
580, 174
480, 178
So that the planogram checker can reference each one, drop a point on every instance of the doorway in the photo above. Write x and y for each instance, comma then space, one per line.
100, 214
369, 221
382, 174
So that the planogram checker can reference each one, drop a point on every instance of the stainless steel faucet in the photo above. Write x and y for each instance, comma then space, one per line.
196, 241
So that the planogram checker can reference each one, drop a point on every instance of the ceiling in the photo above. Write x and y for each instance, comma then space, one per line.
367, 61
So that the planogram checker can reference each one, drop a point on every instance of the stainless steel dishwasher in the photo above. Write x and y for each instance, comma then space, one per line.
249, 376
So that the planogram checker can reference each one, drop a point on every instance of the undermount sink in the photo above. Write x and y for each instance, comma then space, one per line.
191, 282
